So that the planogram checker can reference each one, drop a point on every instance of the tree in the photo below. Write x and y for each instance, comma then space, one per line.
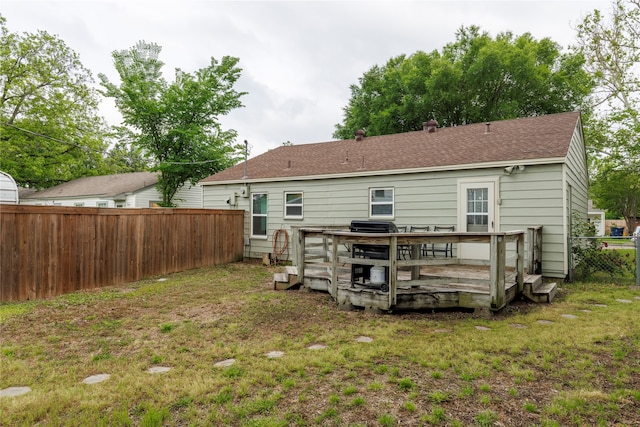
176, 124
51, 132
618, 191
612, 51
474, 79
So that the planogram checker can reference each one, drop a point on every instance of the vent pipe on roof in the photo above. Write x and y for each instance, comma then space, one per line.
488, 129
359, 134
430, 126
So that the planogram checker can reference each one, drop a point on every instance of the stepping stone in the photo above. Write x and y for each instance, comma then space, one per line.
599, 305
586, 311
569, 316
94, 379
158, 369
274, 354
317, 347
483, 328
162, 279
14, 391
637, 297
443, 331
544, 322
626, 301
518, 326
364, 339
225, 363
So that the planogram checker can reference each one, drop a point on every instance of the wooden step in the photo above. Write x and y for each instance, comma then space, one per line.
542, 292
286, 279
533, 279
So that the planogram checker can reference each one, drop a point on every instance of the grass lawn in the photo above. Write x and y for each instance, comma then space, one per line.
575, 362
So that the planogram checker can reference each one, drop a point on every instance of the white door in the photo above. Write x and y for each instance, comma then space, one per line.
476, 214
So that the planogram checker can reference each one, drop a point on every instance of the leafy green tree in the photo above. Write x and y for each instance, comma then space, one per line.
50, 128
612, 51
176, 124
474, 79
618, 191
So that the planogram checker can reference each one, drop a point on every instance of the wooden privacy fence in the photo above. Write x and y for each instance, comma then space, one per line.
51, 250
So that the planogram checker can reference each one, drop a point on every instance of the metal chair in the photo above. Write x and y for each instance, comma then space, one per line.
403, 250
448, 247
424, 250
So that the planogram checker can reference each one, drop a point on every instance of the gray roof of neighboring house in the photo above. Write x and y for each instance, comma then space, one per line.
542, 137
107, 186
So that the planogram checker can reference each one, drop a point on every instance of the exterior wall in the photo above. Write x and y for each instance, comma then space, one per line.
90, 202
188, 197
576, 178
8, 189
535, 197
531, 197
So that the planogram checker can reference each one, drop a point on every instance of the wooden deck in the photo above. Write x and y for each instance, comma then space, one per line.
324, 263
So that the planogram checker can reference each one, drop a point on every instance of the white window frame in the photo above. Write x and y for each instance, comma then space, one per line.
102, 204
373, 203
78, 204
253, 214
288, 205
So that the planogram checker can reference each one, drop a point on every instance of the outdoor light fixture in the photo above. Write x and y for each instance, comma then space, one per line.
509, 169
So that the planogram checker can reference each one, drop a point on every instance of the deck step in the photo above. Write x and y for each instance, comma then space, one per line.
541, 292
533, 279
286, 279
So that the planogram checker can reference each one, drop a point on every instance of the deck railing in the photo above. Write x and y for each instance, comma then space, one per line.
330, 250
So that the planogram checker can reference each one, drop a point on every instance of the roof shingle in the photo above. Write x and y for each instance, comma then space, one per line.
99, 186
530, 138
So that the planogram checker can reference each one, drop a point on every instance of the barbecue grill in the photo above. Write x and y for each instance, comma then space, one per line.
361, 274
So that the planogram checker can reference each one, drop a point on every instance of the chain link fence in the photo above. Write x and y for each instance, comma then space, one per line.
605, 259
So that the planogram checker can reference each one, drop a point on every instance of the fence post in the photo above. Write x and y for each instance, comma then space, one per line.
638, 260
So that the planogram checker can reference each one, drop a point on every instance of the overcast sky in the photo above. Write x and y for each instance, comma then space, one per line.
298, 57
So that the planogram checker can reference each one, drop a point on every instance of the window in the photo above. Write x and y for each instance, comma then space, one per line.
259, 215
293, 205
478, 209
102, 204
78, 204
381, 202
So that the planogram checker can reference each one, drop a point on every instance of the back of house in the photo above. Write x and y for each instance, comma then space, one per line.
499, 176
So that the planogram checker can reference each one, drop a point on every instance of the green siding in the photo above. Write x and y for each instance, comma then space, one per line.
535, 196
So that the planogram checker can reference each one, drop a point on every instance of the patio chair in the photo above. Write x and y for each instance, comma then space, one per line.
424, 250
403, 250
447, 248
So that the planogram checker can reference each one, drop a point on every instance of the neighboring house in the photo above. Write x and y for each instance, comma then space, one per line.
8, 189
597, 218
127, 190
499, 176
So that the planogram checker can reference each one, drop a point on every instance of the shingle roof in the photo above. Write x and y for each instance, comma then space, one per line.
99, 186
542, 137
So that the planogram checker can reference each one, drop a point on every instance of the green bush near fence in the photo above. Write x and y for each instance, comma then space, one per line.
593, 261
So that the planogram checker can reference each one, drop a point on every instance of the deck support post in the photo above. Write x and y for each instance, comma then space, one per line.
520, 263
415, 255
300, 259
393, 269
496, 276
334, 267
